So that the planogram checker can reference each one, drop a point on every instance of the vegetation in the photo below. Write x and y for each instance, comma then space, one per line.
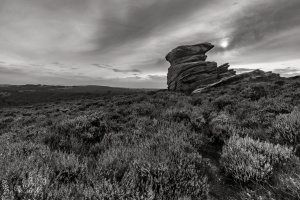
239, 141
246, 159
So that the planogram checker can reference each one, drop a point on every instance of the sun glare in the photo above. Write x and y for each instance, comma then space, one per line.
224, 43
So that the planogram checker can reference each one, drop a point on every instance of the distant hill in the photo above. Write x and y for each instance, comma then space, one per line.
29, 93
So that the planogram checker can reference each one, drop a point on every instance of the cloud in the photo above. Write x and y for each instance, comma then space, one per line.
57, 63
125, 71
135, 35
157, 77
263, 29
161, 61
111, 67
288, 71
263, 20
105, 66
36, 65
138, 19
241, 70
10, 71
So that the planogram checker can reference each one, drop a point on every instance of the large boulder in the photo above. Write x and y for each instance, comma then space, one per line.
189, 70
188, 50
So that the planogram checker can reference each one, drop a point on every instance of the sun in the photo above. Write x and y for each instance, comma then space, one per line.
224, 43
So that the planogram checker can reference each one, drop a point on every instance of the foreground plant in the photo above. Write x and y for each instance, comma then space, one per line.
252, 160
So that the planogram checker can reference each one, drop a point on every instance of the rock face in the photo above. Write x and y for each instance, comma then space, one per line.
244, 77
190, 71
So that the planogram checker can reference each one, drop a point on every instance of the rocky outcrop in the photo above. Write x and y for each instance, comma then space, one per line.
244, 77
189, 69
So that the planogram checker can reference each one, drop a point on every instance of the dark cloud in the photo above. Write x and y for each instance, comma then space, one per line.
10, 71
2, 62
104, 66
126, 71
136, 35
287, 70
161, 61
262, 21
36, 65
139, 19
241, 70
157, 77
135, 77
111, 67
57, 63
18, 65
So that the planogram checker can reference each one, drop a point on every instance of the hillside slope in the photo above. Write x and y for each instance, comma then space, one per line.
238, 141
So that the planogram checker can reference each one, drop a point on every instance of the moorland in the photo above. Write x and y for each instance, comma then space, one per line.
239, 141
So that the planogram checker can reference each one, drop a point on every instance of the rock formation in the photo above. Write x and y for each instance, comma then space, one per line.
244, 77
190, 71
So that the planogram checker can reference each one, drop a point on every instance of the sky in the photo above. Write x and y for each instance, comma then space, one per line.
123, 43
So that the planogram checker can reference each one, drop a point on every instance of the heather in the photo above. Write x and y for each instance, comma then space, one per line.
239, 141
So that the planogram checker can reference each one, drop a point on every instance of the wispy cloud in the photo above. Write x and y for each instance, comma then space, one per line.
56, 63
263, 31
104, 66
111, 67
126, 71
288, 71
241, 70
157, 77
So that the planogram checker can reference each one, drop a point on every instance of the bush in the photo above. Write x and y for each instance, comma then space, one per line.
221, 126
143, 109
84, 127
179, 177
287, 127
162, 167
255, 91
23, 173
178, 114
222, 101
288, 180
251, 160
76, 135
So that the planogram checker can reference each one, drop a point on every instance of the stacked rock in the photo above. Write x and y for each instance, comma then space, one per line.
190, 71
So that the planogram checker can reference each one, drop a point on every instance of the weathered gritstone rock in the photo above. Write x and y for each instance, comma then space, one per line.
190, 71
244, 77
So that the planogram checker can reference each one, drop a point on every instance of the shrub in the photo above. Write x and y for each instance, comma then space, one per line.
178, 114
179, 177
23, 173
164, 166
287, 127
222, 101
143, 109
259, 192
251, 160
255, 91
31, 185
221, 126
76, 135
85, 127
288, 180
